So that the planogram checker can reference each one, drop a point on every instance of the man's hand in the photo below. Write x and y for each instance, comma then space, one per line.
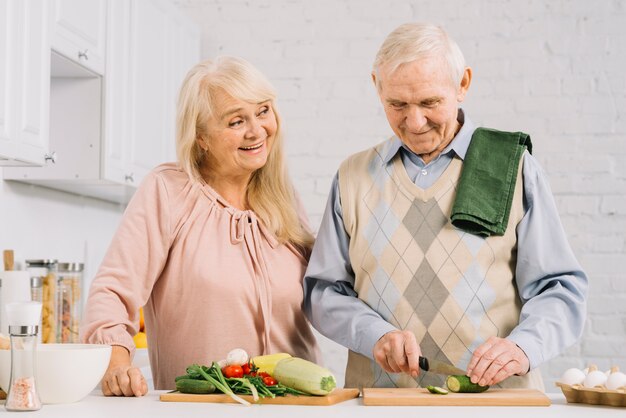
398, 351
495, 360
121, 379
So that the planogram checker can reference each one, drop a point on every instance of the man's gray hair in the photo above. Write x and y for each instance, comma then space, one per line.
413, 41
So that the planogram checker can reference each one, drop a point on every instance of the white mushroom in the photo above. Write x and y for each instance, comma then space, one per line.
573, 377
237, 356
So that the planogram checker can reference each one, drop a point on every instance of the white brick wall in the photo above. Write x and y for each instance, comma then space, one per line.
553, 69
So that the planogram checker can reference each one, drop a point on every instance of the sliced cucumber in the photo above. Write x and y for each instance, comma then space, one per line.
437, 390
463, 384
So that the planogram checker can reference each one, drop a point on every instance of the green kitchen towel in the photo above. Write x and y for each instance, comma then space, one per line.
485, 190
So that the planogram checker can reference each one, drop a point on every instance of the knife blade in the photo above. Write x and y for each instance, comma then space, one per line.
439, 367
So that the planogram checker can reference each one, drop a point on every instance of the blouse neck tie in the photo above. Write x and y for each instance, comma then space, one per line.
246, 228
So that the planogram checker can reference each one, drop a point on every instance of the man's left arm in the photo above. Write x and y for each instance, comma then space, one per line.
551, 285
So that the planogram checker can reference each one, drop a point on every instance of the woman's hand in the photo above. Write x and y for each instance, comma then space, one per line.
121, 378
495, 360
398, 351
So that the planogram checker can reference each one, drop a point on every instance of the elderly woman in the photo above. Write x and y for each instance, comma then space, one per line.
214, 248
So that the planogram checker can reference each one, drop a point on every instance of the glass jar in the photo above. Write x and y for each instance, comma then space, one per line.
36, 288
68, 304
46, 271
23, 318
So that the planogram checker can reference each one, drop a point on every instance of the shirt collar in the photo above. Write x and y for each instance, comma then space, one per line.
459, 144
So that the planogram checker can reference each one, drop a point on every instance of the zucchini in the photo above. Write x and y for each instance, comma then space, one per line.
437, 390
304, 376
194, 386
268, 362
463, 384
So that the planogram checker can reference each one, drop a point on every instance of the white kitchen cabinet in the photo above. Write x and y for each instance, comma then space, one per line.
79, 31
24, 81
151, 46
109, 131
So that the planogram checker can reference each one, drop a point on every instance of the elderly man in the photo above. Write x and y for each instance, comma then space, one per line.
443, 241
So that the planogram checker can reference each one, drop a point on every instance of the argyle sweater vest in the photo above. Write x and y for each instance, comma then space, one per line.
453, 290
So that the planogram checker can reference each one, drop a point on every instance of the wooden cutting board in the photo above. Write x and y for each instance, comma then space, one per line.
336, 396
421, 397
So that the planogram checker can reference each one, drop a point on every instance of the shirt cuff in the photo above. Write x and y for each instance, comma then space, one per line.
527, 344
371, 335
114, 336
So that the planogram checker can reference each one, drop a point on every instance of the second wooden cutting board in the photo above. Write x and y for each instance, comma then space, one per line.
421, 397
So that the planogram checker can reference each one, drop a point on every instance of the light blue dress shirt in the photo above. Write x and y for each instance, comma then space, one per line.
551, 284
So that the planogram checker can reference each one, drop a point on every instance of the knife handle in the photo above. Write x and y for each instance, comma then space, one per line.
423, 362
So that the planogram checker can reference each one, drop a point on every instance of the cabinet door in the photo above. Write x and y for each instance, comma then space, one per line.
116, 164
80, 31
150, 47
25, 84
149, 62
7, 73
184, 47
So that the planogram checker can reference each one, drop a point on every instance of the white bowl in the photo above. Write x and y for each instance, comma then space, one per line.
64, 373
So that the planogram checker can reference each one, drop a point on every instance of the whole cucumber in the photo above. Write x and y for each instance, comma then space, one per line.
194, 386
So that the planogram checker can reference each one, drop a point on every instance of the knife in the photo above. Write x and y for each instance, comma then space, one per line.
439, 367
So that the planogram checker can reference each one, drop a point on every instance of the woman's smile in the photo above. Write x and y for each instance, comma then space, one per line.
253, 149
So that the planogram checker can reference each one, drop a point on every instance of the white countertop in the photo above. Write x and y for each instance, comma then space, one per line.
97, 405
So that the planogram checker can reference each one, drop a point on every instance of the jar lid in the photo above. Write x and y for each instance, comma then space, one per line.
71, 267
44, 262
38, 271
23, 314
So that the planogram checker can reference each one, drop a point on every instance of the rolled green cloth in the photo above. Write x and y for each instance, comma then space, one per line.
487, 184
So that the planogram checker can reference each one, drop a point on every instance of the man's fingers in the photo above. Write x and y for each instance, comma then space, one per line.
493, 360
413, 352
495, 366
489, 355
478, 354
393, 366
398, 351
509, 369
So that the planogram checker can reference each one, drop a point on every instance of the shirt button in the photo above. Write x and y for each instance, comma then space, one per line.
424, 172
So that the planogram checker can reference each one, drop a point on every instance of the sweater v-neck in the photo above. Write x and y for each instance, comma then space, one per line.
444, 182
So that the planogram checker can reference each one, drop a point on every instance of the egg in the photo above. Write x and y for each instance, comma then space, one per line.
572, 377
594, 379
617, 380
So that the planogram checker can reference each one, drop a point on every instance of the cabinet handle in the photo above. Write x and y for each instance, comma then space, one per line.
83, 54
52, 156
129, 178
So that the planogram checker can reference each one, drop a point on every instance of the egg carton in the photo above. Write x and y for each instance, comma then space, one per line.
593, 396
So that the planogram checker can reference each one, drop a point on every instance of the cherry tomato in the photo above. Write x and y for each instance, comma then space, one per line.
246, 369
269, 381
233, 370
263, 374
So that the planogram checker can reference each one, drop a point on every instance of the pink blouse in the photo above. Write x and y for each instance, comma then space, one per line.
210, 277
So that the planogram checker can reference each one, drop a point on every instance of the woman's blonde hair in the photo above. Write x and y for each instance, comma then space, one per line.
270, 193
414, 41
